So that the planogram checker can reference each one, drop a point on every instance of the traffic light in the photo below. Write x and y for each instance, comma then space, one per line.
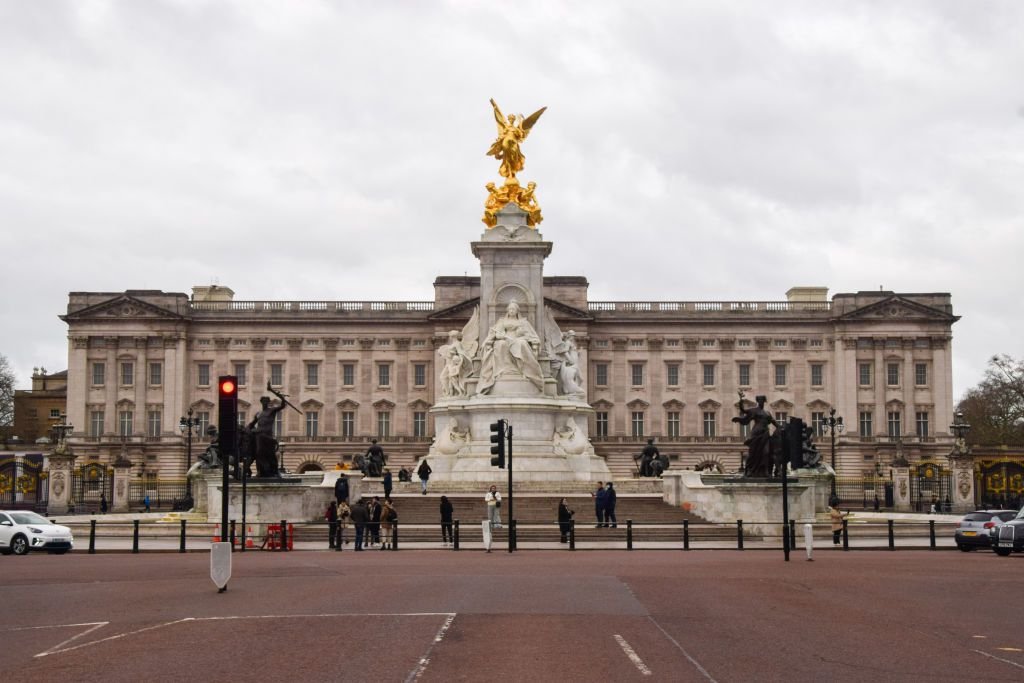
227, 415
498, 439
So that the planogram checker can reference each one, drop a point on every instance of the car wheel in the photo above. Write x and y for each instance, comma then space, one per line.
1003, 552
19, 545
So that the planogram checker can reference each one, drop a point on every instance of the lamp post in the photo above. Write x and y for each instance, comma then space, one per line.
833, 424
960, 430
188, 426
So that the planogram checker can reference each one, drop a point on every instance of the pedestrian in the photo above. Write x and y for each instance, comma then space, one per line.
877, 503
424, 474
145, 502
564, 520
332, 523
344, 515
387, 484
341, 489
447, 538
103, 503
374, 511
493, 500
360, 516
388, 517
609, 506
837, 518
600, 496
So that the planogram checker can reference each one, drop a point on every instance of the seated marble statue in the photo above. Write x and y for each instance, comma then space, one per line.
451, 440
510, 349
570, 382
569, 440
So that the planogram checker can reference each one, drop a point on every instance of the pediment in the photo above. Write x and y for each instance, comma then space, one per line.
419, 404
567, 310
782, 405
347, 404
709, 404
673, 404
383, 403
602, 404
311, 404
894, 403
818, 405
637, 404
898, 308
202, 404
123, 306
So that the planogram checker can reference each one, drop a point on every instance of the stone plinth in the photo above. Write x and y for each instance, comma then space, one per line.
296, 498
726, 498
901, 489
60, 465
122, 474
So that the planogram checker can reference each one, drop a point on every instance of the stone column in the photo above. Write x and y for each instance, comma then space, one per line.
962, 468
901, 489
122, 473
61, 465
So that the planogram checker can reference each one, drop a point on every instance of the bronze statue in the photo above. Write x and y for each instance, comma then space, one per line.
262, 426
760, 461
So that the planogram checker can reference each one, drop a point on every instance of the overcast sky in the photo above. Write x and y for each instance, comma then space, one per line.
336, 150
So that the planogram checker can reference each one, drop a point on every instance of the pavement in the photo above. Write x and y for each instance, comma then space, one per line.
540, 616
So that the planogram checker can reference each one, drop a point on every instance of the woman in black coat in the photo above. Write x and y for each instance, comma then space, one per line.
446, 521
564, 520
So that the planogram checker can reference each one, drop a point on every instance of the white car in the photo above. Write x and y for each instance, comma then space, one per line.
22, 531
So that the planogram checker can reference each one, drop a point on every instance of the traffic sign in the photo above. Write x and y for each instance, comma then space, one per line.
220, 564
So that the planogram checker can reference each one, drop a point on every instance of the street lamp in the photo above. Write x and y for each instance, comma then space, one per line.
833, 424
959, 428
188, 426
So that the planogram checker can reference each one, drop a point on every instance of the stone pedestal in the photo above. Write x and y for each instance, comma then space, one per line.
296, 498
901, 489
60, 466
122, 471
963, 483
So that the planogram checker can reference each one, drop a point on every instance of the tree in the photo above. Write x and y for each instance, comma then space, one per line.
6, 393
995, 408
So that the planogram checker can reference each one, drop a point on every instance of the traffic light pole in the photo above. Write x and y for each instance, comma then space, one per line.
511, 516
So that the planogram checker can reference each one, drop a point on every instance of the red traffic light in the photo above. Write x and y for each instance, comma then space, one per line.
227, 386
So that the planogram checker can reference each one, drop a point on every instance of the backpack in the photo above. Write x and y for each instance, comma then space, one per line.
392, 516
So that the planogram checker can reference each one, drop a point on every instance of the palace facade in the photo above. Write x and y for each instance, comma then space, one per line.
138, 360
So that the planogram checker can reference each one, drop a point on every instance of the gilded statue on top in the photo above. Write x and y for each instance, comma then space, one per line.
512, 131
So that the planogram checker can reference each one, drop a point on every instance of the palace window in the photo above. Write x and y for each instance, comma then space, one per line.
815, 343
312, 374
743, 343
127, 374
866, 427
818, 423
383, 424
780, 343
781, 417
348, 374
921, 374
125, 418
780, 374
817, 375
204, 421
419, 375
601, 419
922, 423
707, 343
99, 374
895, 428
383, 374
892, 374
673, 423
96, 423
156, 374
637, 374
638, 423
673, 375
153, 423
312, 424
278, 424
709, 424
348, 424
601, 374
203, 374
419, 423
864, 374
277, 374
242, 374
708, 370
744, 374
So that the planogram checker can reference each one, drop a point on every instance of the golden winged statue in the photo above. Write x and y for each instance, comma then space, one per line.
512, 131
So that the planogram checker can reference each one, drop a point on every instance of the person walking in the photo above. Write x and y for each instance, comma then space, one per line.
447, 538
344, 515
837, 518
374, 510
387, 484
564, 520
388, 517
600, 496
341, 489
145, 501
103, 503
609, 505
493, 501
332, 523
424, 474
360, 516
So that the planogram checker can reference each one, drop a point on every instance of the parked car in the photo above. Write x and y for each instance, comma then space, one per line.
1009, 536
975, 529
22, 531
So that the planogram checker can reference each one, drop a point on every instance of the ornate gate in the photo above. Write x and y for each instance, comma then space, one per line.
930, 483
1000, 484
23, 484
88, 484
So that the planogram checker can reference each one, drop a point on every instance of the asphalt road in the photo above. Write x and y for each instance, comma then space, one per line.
537, 616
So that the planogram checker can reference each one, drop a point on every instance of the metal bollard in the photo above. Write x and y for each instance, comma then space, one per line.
181, 539
931, 533
892, 536
686, 534
792, 534
92, 536
284, 535
846, 536
629, 534
135, 536
231, 534
739, 534
394, 535
455, 536
809, 541
572, 534
511, 535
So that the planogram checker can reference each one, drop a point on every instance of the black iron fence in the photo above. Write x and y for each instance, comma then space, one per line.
861, 492
162, 494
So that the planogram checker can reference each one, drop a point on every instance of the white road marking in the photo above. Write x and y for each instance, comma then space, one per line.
686, 654
1000, 659
633, 656
94, 624
421, 666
